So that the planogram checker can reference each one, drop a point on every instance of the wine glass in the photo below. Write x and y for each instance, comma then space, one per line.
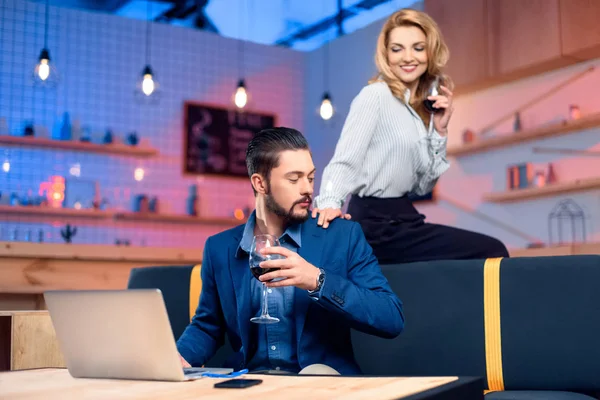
434, 90
258, 243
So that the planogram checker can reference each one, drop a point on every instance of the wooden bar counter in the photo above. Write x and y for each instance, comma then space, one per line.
29, 269
558, 250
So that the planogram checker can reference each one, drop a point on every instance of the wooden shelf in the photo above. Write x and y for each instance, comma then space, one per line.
98, 252
121, 215
54, 212
513, 139
174, 218
537, 192
113, 148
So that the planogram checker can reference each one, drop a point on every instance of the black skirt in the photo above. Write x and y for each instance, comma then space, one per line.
398, 233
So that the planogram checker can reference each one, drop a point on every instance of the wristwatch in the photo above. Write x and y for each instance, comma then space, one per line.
320, 280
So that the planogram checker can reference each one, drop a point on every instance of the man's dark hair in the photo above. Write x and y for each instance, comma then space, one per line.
263, 150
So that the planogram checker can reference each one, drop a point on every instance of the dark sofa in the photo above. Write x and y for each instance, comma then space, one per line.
527, 325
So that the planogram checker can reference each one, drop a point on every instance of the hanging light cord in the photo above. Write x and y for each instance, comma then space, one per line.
326, 68
148, 25
326, 62
47, 17
241, 41
240, 57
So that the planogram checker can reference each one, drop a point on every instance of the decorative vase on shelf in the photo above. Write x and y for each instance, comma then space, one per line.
517, 123
28, 131
153, 204
132, 139
141, 203
574, 112
192, 201
539, 179
14, 199
108, 137
550, 174
3, 127
86, 135
75, 129
65, 129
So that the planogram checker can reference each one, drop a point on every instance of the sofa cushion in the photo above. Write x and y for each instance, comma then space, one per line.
443, 334
549, 322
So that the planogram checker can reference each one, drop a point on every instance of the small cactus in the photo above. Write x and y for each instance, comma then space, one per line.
68, 233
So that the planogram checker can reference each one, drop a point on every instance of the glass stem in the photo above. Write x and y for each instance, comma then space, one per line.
265, 304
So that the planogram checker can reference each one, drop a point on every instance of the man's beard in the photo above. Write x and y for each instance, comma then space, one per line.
288, 215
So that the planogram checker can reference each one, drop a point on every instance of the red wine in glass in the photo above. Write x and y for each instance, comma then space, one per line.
432, 91
258, 243
429, 106
258, 271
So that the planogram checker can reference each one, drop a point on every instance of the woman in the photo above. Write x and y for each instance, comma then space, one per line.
391, 145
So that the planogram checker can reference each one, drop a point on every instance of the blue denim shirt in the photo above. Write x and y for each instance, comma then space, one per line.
276, 342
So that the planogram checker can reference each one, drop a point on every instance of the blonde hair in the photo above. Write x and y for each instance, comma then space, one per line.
437, 54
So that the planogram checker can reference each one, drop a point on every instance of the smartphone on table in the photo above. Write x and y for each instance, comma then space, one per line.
238, 383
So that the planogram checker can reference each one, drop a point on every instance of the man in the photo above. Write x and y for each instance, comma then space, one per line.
328, 282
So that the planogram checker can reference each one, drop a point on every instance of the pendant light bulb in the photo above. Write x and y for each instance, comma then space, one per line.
148, 84
241, 96
326, 109
44, 72
43, 67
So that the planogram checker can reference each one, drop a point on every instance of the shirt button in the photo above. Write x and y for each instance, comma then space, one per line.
270, 290
273, 348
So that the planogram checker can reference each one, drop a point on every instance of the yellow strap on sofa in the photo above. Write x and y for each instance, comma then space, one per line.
493, 333
195, 289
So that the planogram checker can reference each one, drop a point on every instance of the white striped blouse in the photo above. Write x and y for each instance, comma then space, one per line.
384, 151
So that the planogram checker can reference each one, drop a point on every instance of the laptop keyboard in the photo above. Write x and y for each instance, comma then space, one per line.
208, 371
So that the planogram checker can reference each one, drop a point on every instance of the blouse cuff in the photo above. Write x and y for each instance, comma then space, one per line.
437, 145
327, 202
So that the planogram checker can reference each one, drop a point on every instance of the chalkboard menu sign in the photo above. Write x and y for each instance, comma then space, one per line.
216, 138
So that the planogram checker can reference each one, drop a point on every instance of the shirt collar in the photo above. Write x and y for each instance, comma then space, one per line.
293, 232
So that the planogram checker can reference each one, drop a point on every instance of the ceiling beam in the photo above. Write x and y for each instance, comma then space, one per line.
339, 18
93, 5
112, 5
182, 9
177, 10
335, 20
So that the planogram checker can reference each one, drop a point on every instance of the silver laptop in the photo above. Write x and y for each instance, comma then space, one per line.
119, 334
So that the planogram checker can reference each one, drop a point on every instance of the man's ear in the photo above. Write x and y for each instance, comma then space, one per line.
259, 183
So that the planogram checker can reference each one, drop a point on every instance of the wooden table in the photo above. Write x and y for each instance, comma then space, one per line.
50, 384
